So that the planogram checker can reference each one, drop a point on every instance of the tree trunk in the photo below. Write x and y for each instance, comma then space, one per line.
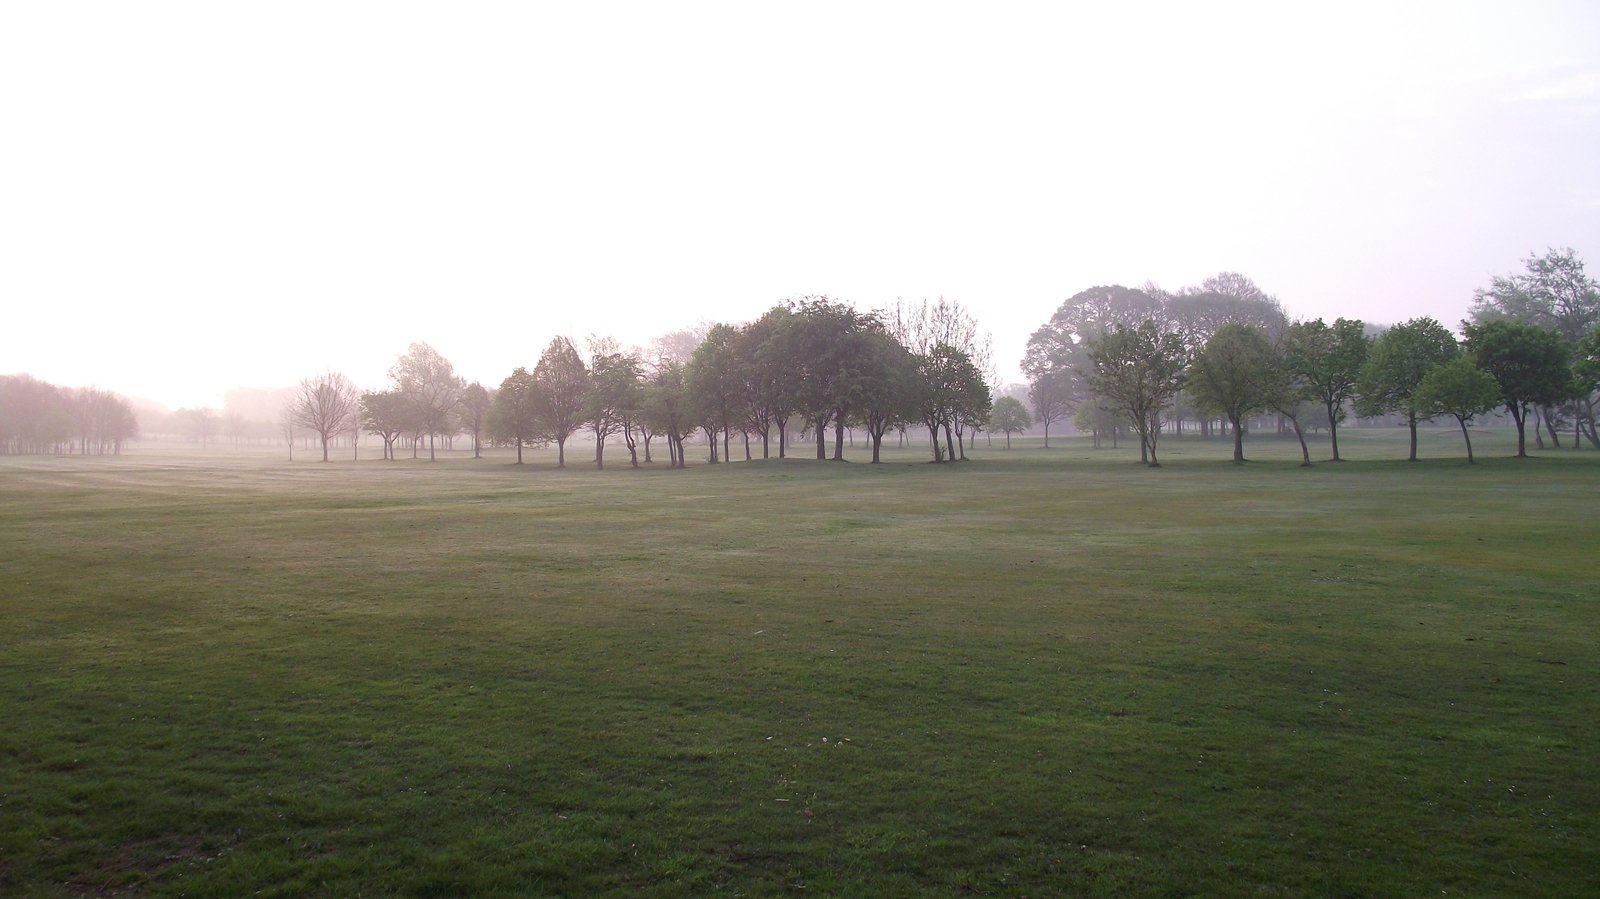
519, 450
1468, 438
430, 449
838, 436
1305, 452
1238, 441
877, 445
561, 452
324, 448
1545, 416
1411, 419
1519, 415
599, 452
1333, 431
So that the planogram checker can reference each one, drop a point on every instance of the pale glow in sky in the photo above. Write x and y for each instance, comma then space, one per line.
199, 196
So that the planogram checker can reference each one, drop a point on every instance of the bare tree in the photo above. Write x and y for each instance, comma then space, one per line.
327, 404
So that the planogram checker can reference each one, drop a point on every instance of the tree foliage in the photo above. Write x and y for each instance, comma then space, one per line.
1234, 374
1137, 371
1398, 361
1527, 362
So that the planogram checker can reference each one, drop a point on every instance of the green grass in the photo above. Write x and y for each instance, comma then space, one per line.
1038, 673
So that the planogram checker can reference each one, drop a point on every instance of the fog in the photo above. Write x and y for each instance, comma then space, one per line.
199, 197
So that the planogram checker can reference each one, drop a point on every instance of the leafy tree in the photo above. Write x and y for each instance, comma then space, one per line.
950, 387
387, 414
327, 404
1234, 375
764, 380
1137, 371
561, 392
1056, 361
817, 346
1327, 361
1458, 388
514, 412
475, 403
1529, 363
428, 382
670, 408
1553, 291
1398, 361
717, 382
613, 398
1010, 417
890, 387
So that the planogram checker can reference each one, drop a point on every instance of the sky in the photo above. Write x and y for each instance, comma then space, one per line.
201, 196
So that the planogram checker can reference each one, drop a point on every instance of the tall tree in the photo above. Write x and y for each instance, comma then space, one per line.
327, 404
1328, 361
429, 383
514, 413
561, 392
1234, 375
1137, 371
1398, 361
1552, 291
1529, 363
1458, 388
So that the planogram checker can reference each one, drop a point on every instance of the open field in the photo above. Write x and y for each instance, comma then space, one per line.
1037, 673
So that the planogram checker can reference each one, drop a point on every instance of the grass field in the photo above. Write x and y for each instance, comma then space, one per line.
1039, 673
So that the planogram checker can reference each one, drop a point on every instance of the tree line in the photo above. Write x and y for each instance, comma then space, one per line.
1225, 351
812, 363
39, 417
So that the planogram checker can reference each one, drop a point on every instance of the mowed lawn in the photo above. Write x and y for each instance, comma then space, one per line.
1038, 673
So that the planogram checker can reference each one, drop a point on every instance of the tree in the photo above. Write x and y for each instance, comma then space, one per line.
514, 412
1327, 360
1529, 363
717, 382
1458, 388
1234, 375
667, 404
428, 382
386, 414
613, 397
1137, 371
1553, 291
1009, 416
475, 403
890, 387
1586, 381
561, 391
1398, 361
815, 345
327, 404
1052, 397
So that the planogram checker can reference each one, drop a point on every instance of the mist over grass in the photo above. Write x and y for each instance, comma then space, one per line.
1037, 673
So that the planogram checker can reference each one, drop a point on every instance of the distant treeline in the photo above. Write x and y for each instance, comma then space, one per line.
39, 417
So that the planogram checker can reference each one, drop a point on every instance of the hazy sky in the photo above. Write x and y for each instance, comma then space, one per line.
197, 196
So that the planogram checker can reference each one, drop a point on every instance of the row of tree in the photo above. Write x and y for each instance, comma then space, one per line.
1226, 350
817, 363
39, 417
